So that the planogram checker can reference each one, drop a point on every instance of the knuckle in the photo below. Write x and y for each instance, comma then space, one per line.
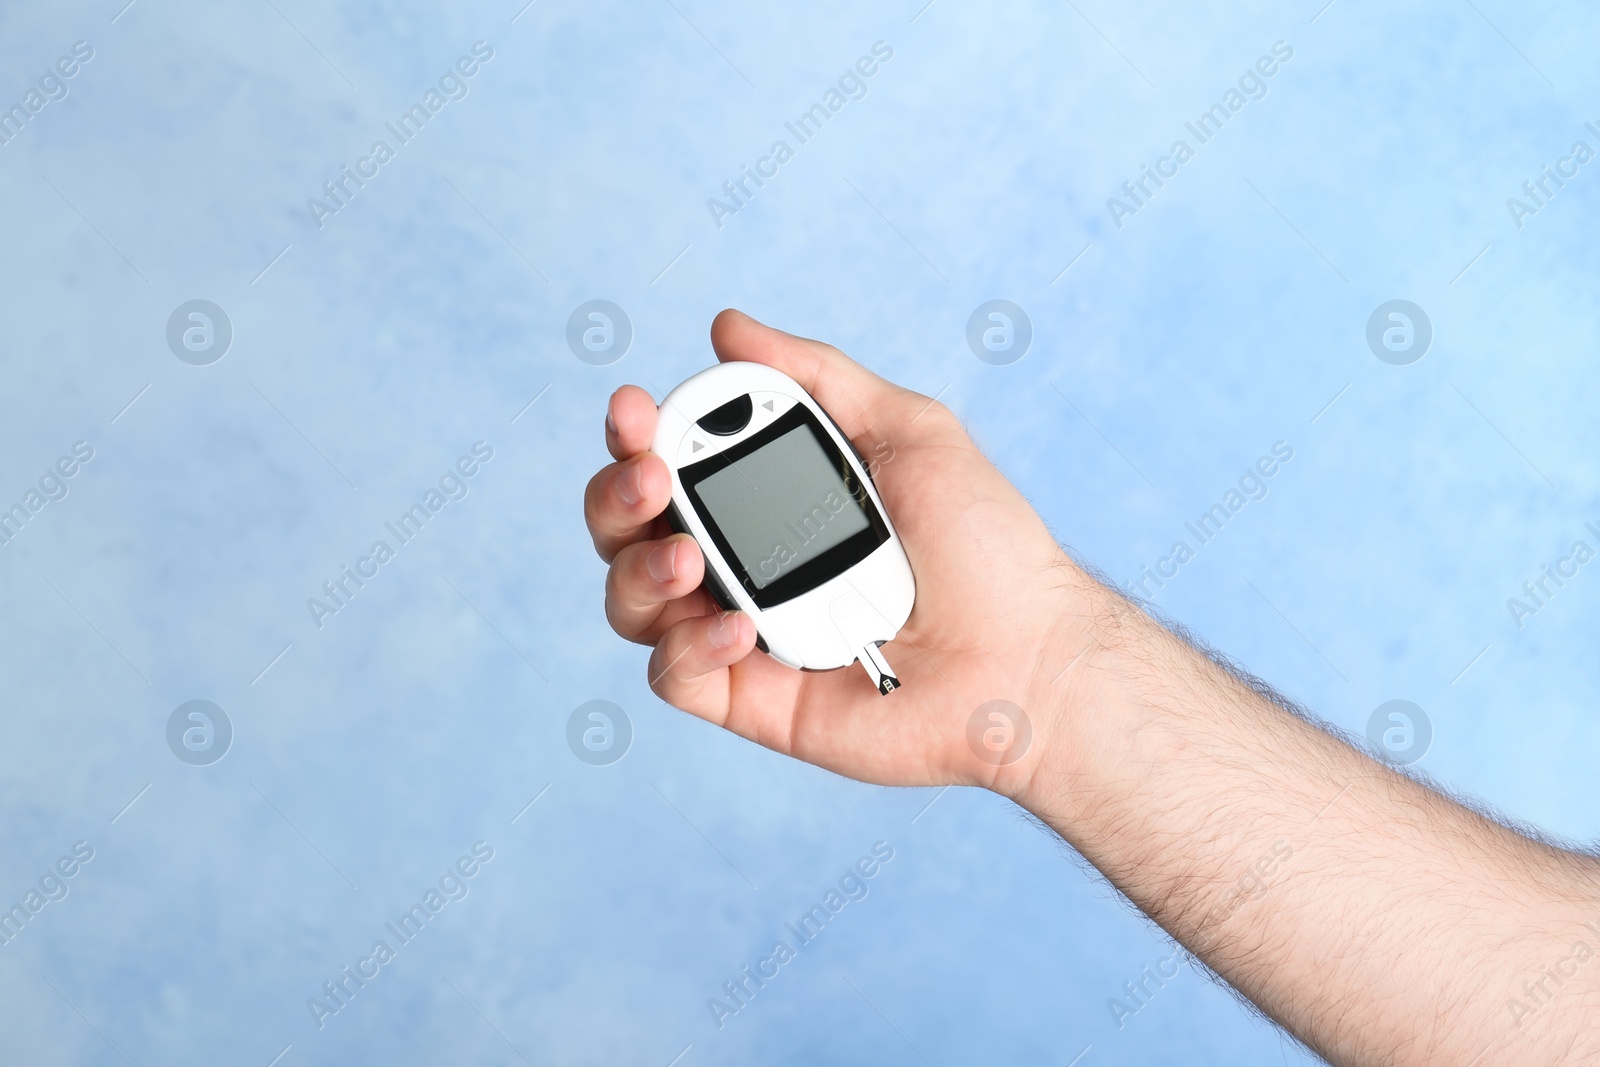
933, 414
623, 607
660, 679
614, 614
593, 498
604, 546
613, 588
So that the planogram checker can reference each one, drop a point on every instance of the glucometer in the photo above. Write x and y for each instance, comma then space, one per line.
787, 517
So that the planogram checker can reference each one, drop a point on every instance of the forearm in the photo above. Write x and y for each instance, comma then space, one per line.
1376, 919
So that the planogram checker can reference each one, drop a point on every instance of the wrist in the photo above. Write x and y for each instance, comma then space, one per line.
1072, 691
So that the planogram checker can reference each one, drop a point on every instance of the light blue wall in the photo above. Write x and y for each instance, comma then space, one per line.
424, 315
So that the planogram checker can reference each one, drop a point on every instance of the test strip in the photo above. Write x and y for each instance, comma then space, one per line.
878, 669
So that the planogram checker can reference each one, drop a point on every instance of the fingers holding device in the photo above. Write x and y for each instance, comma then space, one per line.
786, 515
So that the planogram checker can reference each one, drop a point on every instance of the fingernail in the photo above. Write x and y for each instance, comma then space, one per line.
630, 485
611, 424
725, 631
662, 562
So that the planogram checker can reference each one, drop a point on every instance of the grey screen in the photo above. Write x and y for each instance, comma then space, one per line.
781, 506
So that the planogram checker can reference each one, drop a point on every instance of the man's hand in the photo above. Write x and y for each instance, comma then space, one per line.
993, 588
1377, 920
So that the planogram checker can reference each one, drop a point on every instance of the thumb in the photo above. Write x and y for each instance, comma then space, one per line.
856, 398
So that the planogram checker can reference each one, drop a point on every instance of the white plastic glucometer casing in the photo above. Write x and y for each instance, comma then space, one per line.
828, 612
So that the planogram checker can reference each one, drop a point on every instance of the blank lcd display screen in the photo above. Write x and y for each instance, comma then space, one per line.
782, 506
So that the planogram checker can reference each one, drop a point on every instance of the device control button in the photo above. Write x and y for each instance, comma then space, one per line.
728, 419
694, 448
769, 407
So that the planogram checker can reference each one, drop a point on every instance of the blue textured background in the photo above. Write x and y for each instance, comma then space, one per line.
427, 313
